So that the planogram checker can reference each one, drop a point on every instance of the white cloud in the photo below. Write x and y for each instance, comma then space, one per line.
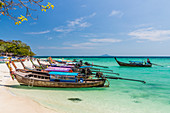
151, 34
79, 22
83, 5
85, 24
37, 33
92, 15
105, 40
95, 42
76, 24
81, 47
116, 13
99, 35
84, 44
50, 38
90, 44
60, 29
140, 41
89, 35
143, 25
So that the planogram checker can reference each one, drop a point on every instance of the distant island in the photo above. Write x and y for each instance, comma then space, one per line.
105, 55
15, 48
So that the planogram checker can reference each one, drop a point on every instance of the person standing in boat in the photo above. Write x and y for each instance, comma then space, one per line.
148, 61
79, 64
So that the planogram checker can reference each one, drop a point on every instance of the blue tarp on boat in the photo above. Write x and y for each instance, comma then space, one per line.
63, 73
53, 64
59, 60
1, 57
86, 66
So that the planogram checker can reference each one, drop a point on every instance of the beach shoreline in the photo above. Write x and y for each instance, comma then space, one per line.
121, 97
9, 102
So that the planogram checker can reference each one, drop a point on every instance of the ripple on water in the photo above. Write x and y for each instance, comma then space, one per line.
169, 102
126, 91
141, 95
137, 101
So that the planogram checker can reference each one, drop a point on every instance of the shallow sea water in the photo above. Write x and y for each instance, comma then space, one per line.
121, 97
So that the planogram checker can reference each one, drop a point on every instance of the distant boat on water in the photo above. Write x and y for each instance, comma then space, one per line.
3, 59
105, 55
134, 64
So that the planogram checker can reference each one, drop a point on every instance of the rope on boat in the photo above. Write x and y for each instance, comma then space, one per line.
31, 83
10, 69
108, 83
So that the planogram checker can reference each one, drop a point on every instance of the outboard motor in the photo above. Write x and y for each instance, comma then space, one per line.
86, 63
86, 71
75, 70
99, 75
79, 64
89, 72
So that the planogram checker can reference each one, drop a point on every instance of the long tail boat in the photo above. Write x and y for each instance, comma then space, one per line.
47, 69
52, 64
57, 71
31, 79
79, 67
134, 64
55, 80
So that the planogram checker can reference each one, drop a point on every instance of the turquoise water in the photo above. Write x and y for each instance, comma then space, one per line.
121, 97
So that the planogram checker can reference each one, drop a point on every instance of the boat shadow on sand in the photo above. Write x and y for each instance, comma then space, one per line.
54, 89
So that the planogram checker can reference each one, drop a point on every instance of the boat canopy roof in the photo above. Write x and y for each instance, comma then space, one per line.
55, 65
2, 57
60, 60
63, 73
86, 66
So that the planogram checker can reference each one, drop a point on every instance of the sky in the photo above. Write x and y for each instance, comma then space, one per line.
94, 28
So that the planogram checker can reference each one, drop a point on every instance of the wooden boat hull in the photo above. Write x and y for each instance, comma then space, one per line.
133, 65
54, 84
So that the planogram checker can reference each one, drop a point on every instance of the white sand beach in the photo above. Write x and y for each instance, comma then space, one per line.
11, 103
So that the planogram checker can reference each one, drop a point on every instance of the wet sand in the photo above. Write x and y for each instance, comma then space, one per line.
11, 103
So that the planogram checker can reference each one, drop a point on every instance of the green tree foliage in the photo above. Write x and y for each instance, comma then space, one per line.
9, 8
16, 47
